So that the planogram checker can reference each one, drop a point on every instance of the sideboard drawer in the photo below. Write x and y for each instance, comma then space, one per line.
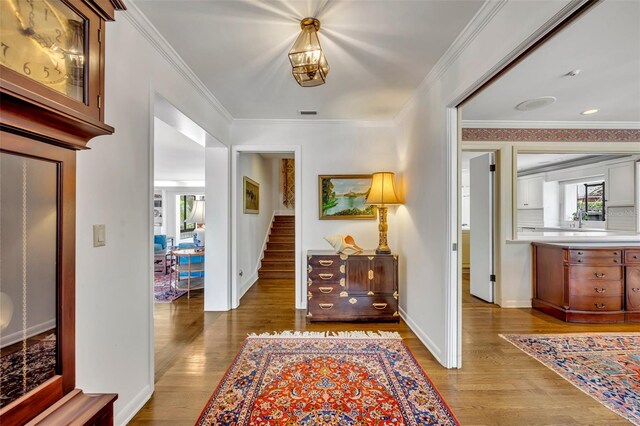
332, 288
596, 273
596, 303
326, 261
632, 257
579, 288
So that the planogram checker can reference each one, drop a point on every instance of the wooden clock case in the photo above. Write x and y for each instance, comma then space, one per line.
41, 123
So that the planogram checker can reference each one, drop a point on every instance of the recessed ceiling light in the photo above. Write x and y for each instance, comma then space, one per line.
307, 112
589, 111
535, 103
573, 73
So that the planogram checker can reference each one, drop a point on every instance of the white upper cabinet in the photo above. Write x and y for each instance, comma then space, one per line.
530, 193
619, 190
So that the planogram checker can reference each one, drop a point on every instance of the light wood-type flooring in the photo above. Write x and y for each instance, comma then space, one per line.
497, 385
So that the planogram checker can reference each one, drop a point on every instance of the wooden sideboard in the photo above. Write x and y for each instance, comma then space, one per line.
587, 284
357, 287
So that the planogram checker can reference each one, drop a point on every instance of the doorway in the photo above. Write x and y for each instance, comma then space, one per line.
478, 223
251, 167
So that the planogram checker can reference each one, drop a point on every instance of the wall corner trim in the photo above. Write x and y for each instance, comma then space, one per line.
124, 416
142, 24
424, 338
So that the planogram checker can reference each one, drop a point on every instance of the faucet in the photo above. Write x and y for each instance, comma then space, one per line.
580, 216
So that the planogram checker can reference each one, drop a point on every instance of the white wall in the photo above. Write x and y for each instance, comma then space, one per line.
41, 209
253, 228
329, 148
114, 351
426, 165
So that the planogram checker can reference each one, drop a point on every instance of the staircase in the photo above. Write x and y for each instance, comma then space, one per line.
279, 261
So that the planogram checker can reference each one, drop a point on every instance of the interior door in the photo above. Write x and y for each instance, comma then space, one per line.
482, 226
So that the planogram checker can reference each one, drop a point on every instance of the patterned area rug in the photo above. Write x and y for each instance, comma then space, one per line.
162, 291
352, 378
605, 366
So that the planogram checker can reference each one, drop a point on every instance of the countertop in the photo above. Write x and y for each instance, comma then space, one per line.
576, 236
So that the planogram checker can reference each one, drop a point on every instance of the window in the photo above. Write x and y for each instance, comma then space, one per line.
186, 204
590, 201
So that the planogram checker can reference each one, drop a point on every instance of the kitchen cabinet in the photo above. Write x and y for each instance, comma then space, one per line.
530, 193
620, 184
587, 284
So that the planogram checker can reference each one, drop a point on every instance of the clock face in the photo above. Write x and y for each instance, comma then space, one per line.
44, 40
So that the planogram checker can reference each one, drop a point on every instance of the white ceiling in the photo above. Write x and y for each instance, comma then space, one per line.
176, 157
379, 51
604, 44
529, 161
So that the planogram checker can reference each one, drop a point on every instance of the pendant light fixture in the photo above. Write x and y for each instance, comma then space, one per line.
310, 67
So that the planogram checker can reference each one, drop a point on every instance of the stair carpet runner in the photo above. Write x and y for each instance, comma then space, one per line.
279, 261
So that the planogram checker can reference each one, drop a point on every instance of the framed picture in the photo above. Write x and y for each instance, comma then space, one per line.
251, 197
343, 197
157, 209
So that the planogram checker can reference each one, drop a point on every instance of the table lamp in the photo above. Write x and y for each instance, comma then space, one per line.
382, 193
197, 217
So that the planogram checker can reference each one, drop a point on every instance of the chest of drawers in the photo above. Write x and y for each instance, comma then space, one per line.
359, 287
587, 284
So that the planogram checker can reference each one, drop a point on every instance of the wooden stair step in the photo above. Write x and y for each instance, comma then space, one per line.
277, 265
276, 274
282, 239
280, 246
284, 218
280, 254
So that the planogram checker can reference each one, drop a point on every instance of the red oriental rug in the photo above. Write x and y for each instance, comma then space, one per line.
605, 366
351, 378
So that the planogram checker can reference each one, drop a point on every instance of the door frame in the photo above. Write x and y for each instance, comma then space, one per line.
236, 185
453, 305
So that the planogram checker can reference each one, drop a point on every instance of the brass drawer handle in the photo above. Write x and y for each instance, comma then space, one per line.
325, 276
602, 275
600, 305
635, 289
615, 252
600, 290
325, 290
635, 256
579, 253
379, 306
615, 260
579, 260
370, 274
325, 305
325, 262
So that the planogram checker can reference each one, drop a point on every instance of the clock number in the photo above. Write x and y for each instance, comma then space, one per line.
57, 68
4, 48
58, 35
46, 70
26, 68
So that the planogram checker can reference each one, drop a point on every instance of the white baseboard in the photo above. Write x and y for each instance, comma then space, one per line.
12, 338
426, 341
247, 284
124, 416
525, 303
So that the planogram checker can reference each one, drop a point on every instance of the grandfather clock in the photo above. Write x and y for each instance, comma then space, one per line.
51, 105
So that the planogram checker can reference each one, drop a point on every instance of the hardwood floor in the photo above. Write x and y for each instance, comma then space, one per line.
497, 385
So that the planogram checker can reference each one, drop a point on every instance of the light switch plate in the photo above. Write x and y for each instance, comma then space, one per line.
99, 236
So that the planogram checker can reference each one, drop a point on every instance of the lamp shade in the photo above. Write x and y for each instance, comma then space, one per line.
197, 212
383, 189
310, 67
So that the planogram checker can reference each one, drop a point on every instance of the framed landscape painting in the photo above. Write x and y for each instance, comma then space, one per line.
343, 197
251, 196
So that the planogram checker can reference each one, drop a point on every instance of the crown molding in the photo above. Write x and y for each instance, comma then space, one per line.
484, 15
142, 24
311, 122
508, 124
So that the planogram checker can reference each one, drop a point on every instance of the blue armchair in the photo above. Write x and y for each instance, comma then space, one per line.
159, 243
